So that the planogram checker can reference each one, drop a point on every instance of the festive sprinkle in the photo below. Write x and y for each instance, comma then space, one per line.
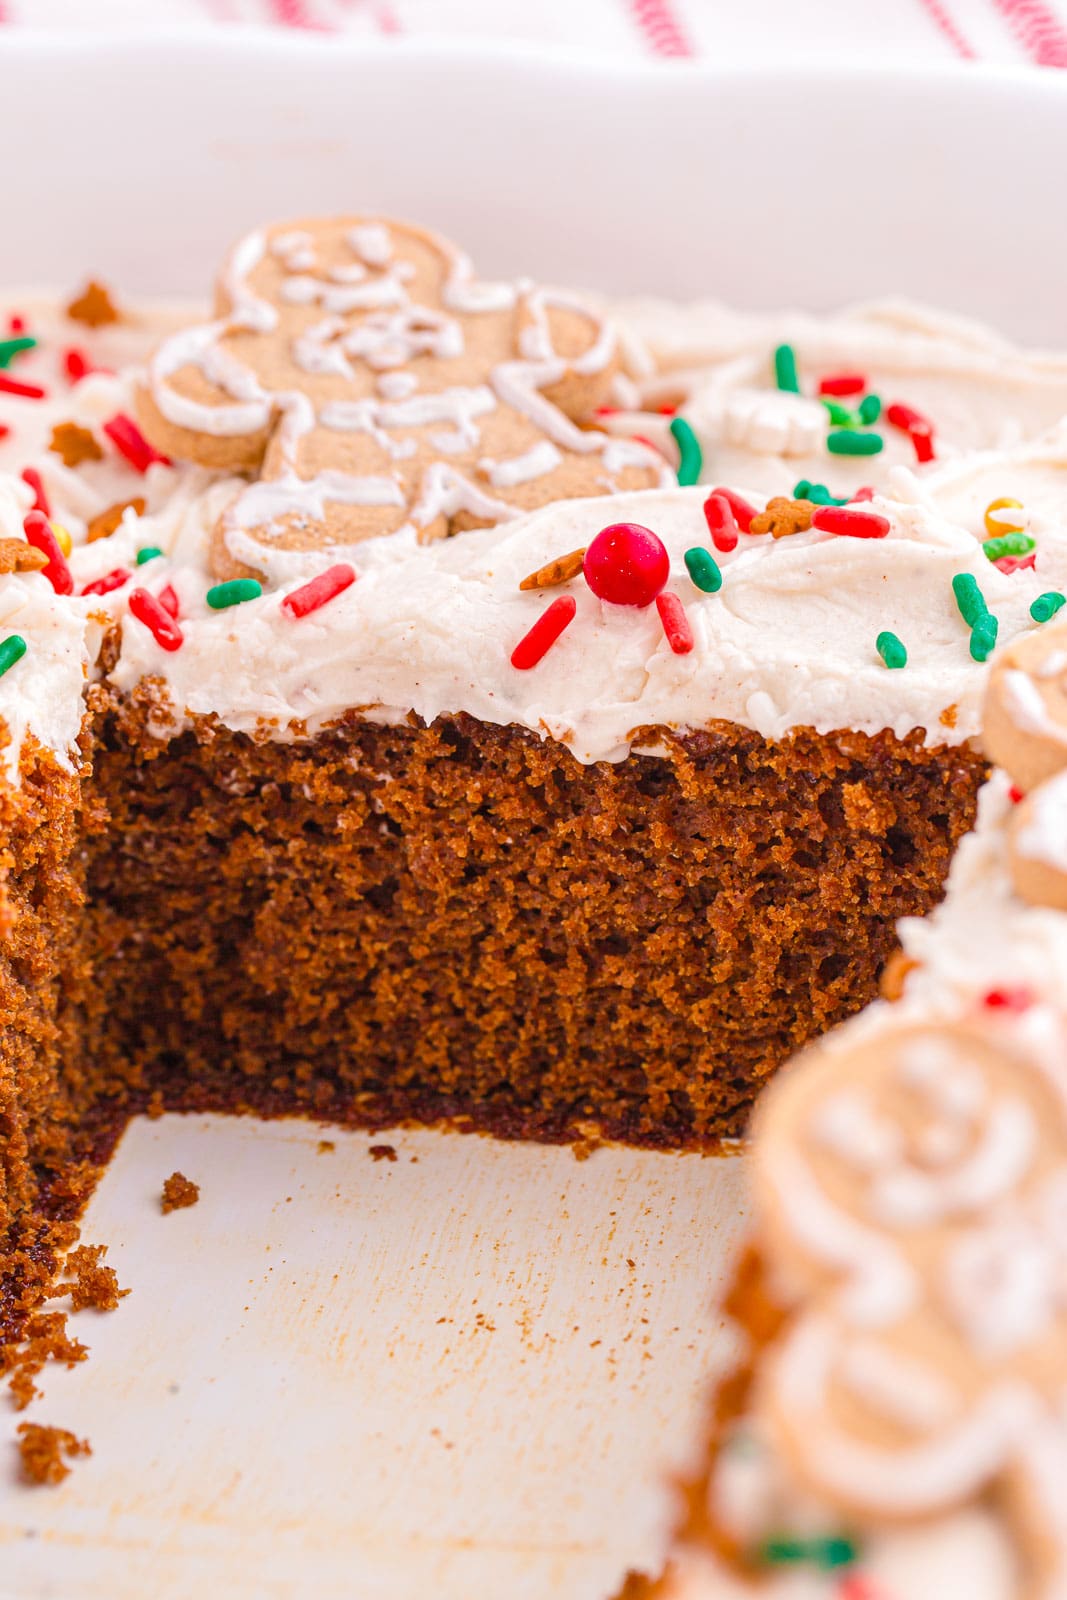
704, 570
553, 573
1008, 999
1010, 564
969, 598
913, 423
743, 512
1046, 605
74, 444
843, 383
77, 364
31, 476
15, 323
995, 524
722, 524
12, 649
535, 645
690, 455
168, 599
130, 442
854, 524
827, 1553
864, 493
39, 533
1015, 543
94, 306
4, 430
102, 526
148, 552
1015, 794
626, 564
984, 637
891, 649
840, 415
870, 409
675, 623
782, 517
25, 391
783, 1552
818, 494
160, 624
785, 369
327, 586
63, 539
233, 593
923, 440
847, 442
110, 581
10, 348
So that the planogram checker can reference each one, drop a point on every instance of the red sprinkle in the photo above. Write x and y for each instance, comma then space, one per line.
722, 524
866, 493
919, 429
110, 580
668, 411
4, 430
923, 440
606, 411
16, 324
310, 596
169, 600
39, 533
159, 622
743, 512
31, 476
841, 383
675, 623
130, 442
25, 391
640, 438
1010, 564
1017, 999
856, 524
77, 364
536, 644
1015, 794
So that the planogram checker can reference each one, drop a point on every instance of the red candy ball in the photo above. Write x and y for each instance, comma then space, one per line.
627, 565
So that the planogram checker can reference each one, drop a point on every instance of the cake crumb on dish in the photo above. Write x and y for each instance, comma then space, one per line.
93, 1287
42, 1449
179, 1192
382, 1152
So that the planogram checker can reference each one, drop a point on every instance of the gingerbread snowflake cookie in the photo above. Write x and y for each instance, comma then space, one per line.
913, 1197
373, 383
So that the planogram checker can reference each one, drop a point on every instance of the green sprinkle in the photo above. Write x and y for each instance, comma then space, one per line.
847, 442
690, 455
870, 409
703, 569
984, 637
785, 369
148, 552
840, 415
891, 650
12, 649
802, 490
10, 348
1015, 543
1046, 605
969, 598
837, 1551
232, 593
780, 1552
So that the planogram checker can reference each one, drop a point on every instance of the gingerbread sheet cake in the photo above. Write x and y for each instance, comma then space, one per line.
438, 699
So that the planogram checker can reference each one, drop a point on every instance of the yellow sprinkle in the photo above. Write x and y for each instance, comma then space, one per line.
995, 524
62, 537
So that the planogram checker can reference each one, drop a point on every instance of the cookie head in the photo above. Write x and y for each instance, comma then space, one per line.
371, 384
1025, 712
1037, 845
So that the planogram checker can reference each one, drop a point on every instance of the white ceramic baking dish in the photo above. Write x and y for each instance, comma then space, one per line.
471, 1373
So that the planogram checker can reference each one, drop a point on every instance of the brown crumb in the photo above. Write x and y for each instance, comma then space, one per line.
18, 556
93, 1287
325, 1146
106, 523
42, 1450
783, 516
94, 306
179, 1192
561, 570
383, 1152
74, 444
948, 717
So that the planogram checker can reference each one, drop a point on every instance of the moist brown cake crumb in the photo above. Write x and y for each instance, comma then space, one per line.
46, 1339
179, 1192
382, 1152
324, 1147
94, 306
92, 1287
42, 1450
74, 444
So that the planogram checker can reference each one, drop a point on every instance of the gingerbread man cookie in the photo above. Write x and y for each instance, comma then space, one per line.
913, 1197
1037, 845
374, 384
1025, 713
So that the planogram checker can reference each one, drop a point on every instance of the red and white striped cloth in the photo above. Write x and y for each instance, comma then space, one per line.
1032, 32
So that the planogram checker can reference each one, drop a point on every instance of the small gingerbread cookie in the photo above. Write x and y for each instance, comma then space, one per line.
1037, 845
373, 384
1025, 712
912, 1190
